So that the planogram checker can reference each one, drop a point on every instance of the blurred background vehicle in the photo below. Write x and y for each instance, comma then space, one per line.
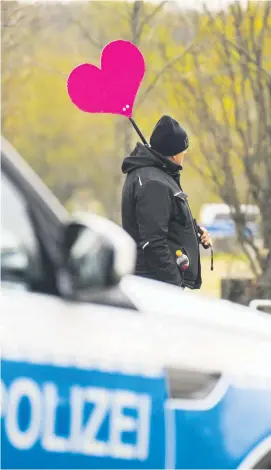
219, 221
239, 284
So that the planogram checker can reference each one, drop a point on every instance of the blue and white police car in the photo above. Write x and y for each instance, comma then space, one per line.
102, 369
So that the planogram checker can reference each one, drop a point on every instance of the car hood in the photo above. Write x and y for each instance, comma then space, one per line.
158, 297
204, 333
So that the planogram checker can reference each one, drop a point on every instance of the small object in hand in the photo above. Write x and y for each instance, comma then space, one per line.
182, 260
204, 236
209, 245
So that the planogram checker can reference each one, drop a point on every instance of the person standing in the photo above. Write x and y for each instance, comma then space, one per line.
155, 209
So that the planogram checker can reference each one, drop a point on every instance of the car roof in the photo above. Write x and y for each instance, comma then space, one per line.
20, 171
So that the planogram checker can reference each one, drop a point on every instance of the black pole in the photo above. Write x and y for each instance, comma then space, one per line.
139, 132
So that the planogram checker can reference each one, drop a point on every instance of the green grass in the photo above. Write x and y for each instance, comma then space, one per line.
225, 265
228, 257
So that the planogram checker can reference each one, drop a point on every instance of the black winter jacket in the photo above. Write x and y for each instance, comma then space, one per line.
155, 212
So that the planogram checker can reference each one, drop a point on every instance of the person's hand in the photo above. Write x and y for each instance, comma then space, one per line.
205, 237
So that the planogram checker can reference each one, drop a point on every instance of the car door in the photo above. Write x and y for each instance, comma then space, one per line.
81, 385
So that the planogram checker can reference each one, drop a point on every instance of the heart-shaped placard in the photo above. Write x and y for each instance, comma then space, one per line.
111, 89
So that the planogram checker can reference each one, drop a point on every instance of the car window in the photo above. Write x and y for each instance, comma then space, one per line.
14, 216
19, 245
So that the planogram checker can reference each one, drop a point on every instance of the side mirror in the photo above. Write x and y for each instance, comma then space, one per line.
14, 262
96, 254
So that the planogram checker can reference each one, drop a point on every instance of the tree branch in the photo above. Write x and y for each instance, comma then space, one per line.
167, 66
149, 17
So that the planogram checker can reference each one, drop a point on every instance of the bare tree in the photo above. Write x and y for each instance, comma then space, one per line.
230, 112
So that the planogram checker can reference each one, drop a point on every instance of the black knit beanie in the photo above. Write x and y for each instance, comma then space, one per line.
168, 137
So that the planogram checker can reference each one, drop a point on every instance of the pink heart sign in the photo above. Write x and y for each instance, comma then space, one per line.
113, 88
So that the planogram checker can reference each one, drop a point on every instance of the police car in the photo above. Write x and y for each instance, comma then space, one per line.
102, 369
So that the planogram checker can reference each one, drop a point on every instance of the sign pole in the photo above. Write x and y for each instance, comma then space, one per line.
138, 132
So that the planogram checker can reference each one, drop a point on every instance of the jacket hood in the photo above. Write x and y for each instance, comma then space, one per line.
143, 156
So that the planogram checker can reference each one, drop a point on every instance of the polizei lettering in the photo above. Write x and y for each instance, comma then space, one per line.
87, 420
